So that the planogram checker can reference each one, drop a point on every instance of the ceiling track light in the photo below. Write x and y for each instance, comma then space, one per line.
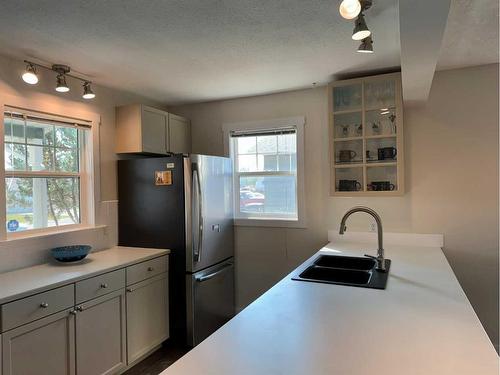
349, 9
30, 76
366, 45
87, 91
361, 30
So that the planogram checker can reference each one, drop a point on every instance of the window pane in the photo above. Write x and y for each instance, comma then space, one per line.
66, 160
267, 163
267, 144
268, 194
13, 129
15, 157
42, 202
246, 145
285, 162
247, 163
66, 137
287, 143
39, 134
40, 158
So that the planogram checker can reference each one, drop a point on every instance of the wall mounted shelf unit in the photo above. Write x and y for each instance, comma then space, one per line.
366, 136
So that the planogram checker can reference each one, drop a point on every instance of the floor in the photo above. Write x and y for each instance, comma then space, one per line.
158, 361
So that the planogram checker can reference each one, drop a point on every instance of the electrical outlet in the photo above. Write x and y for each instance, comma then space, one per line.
373, 227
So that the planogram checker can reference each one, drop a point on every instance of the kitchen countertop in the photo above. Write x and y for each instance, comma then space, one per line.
421, 324
27, 281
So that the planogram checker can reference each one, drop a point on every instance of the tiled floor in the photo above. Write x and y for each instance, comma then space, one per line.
158, 361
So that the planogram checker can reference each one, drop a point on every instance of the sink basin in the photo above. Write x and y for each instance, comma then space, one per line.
352, 263
344, 270
336, 275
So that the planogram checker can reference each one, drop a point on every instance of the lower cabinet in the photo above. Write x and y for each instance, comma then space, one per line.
100, 335
44, 347
114, 326
147, 316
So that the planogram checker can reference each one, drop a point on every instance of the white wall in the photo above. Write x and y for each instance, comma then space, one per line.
17, 254
451, 166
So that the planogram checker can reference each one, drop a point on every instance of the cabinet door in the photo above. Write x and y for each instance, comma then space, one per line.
44, 347
100, 335
154, 131
147, 316
179, 134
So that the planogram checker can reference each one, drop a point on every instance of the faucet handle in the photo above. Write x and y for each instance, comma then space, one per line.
371, 256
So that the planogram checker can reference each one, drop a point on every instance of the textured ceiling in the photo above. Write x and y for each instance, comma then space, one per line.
471, 35
181, 51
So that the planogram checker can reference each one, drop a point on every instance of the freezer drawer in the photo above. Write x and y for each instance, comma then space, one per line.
210, 300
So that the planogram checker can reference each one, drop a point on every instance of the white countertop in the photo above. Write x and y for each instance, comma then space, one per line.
26, 281
421, 324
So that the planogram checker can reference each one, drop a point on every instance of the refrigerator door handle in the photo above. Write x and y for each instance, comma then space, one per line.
213, 274
199, 205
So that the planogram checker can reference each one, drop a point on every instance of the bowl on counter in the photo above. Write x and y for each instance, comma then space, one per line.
68, 254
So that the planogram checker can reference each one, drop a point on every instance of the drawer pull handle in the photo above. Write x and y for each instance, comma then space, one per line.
104, 286
79, 308
129, 290
44, 305
150, 269
72, 312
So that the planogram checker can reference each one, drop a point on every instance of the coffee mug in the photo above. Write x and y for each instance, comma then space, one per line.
349, 185
346, 155
387, 153
381, 186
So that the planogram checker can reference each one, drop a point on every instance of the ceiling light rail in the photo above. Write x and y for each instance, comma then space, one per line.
30, 76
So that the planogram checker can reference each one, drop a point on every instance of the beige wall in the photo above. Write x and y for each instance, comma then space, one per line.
27, 252
451, 177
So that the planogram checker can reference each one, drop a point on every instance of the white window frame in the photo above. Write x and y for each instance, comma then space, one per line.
89, 165
271, 220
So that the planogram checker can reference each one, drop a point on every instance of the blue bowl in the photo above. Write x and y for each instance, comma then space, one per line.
72, 253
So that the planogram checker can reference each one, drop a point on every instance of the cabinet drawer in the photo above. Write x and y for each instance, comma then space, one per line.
145, 270
17, 313
99, 285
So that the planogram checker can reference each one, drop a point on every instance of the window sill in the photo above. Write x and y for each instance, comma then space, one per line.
270, 223
51, 232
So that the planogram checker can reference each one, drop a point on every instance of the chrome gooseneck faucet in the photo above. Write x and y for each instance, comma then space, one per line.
380, 251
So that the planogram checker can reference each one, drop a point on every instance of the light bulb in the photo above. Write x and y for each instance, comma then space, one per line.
350, 9
29, 76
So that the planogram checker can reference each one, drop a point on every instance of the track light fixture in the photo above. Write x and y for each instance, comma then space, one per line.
353, 9
349, 9
361, 30
366, 45
87, 91
30, 76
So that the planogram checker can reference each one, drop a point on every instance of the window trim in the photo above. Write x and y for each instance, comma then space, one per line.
90, 166
295, 122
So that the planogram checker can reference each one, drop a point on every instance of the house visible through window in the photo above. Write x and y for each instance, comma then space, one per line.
44, 163
265, 171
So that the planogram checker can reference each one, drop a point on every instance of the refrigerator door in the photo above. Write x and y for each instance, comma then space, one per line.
210, 300
209, 211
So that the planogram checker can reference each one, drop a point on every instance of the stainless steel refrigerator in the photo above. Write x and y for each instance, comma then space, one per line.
185, 204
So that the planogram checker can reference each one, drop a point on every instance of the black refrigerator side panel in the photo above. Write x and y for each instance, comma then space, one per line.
152, 215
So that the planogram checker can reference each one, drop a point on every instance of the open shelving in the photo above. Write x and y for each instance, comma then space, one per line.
366, 136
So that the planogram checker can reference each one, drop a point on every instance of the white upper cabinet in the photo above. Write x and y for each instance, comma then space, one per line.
179, 134
147, 130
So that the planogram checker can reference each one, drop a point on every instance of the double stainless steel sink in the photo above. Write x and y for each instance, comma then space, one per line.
345, 270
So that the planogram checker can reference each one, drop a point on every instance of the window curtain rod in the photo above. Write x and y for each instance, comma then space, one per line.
23, 116
261, 132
